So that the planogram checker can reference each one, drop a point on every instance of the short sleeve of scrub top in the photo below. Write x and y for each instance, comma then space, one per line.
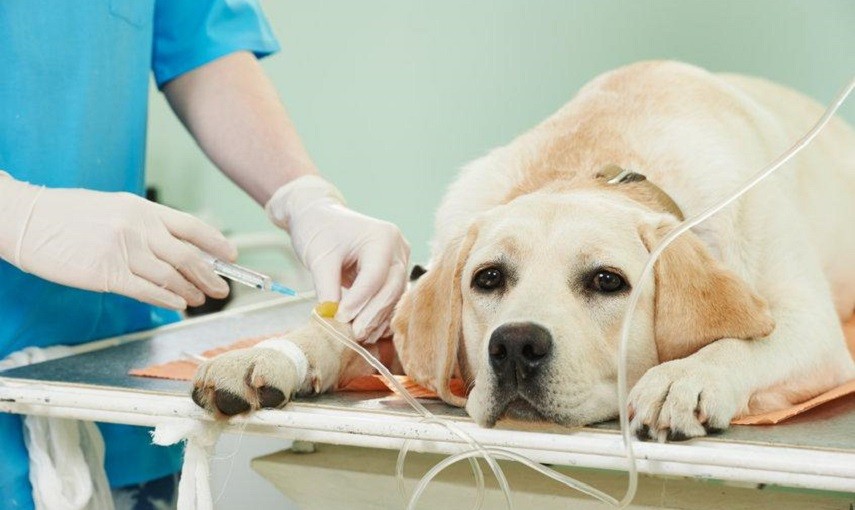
191, 33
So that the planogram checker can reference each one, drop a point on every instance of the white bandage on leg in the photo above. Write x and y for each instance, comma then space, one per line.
66, 456
194, 486
292, 351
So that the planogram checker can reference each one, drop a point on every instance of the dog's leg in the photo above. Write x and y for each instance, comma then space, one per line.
702, 393
805, 354
269, 374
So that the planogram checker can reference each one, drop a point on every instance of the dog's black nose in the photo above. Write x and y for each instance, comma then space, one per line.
518, 350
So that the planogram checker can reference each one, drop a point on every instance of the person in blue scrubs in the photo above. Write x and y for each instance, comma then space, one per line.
82, 256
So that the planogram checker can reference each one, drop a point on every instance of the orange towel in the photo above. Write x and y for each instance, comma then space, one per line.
834, 393
377, 382
185, 369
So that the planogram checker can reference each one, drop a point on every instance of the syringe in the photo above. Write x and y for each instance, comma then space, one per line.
246, 276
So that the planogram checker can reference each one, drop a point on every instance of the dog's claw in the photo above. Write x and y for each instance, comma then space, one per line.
197, 396
643, 433
712, 430
676, 435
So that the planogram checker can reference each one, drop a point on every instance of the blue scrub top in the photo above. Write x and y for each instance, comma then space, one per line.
74, 78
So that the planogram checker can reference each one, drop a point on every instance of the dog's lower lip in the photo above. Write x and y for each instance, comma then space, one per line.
522, 409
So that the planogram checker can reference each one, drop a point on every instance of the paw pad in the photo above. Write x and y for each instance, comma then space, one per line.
270, 397
230, 404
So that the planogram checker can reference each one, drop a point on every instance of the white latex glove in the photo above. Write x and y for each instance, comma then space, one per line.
340, 247
110, 242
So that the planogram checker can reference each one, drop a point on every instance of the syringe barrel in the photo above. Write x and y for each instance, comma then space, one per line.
240, 274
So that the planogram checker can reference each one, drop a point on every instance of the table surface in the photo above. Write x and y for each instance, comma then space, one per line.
828, 428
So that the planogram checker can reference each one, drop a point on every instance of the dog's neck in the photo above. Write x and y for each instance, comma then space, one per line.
639, 188
633, 185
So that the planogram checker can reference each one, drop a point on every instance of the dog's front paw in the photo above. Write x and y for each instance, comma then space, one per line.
679, 400
245, 380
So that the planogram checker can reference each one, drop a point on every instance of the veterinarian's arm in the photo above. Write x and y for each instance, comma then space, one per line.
233, 111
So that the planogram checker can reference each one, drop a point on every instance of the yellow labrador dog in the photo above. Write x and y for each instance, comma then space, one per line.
538, 244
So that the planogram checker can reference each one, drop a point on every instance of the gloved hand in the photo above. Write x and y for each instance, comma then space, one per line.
343, 248
110, 242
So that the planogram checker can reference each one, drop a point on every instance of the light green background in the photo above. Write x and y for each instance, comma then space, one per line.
392, 97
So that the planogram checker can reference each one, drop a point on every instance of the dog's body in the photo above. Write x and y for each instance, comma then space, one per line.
534, 255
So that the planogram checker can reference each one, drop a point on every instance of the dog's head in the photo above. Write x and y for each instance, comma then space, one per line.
527, 307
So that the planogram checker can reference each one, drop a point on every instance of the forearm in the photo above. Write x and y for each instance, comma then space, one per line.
232, 110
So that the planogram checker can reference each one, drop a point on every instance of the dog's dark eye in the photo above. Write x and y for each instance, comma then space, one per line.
607, 282
488, 279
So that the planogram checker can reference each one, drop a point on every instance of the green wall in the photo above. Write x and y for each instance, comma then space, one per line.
392, 97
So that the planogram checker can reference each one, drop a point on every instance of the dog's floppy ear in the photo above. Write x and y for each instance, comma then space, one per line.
697, 299
427, 321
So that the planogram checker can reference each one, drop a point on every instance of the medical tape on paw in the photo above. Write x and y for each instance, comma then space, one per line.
292, 351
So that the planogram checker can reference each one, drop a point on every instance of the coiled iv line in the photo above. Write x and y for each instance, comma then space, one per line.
490, 454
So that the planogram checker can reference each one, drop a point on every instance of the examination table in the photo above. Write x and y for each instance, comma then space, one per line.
350, 440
